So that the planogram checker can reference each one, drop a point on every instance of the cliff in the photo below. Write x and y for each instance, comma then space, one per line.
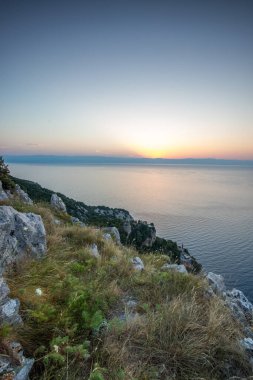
89, 307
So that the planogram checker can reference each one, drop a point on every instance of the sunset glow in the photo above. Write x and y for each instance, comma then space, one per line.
128, 80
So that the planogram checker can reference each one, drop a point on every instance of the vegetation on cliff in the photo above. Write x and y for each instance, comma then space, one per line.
98, 318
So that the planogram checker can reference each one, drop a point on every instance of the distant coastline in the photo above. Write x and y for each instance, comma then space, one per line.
112, 160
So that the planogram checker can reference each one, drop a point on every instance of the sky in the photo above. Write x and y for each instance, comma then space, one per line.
169, 79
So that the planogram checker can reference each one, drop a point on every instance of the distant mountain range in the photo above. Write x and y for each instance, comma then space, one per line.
112, 160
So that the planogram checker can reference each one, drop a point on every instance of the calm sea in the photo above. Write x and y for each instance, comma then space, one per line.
208, 208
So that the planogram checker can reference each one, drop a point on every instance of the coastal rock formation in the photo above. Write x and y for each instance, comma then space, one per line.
23, 196
113, 213
216, 282
57, 203
114, 232
21, 234
143, 235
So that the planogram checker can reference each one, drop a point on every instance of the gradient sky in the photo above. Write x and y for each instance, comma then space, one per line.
134, 78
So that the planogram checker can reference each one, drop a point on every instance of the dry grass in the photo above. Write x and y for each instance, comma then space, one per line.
178, 334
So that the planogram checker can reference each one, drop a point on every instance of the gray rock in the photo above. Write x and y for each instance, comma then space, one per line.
137, 263
107, 237
23, 196
23, 372
114, 232
176, 267
5, 364
94, 251
20, 234
216, 282
77, 221
57, 203
9, 312
3, 195
240, 305
4, 291
247, 343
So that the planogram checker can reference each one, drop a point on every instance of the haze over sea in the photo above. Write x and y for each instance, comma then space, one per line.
207, 208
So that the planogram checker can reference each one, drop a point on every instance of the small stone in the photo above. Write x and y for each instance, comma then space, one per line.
137, 263
94, 251
38, 292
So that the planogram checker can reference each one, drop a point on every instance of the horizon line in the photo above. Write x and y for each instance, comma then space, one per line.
82, 159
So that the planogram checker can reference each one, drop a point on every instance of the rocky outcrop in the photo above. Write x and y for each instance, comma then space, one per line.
113, 213
23, 196
216, 282
114, 232
21, 234
3, 195
57, 203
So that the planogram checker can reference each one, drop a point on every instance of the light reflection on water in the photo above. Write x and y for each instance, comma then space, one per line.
208, 208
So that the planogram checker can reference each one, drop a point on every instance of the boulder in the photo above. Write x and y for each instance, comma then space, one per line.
20, 234
57, 203
127, 228
137, 263
23, 196
175, 267
114, 232
247, 343
216, 282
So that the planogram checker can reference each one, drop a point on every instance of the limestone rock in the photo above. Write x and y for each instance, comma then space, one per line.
77, 221
176, 267
94, 251
114, 232
240, 305
15, 364
58, 203
23, 196
23, 372
20, 234
107, 237
9, 312
138, 263
3, 195
247, 343
216, 282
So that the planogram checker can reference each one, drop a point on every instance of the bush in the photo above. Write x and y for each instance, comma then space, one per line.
7, 182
